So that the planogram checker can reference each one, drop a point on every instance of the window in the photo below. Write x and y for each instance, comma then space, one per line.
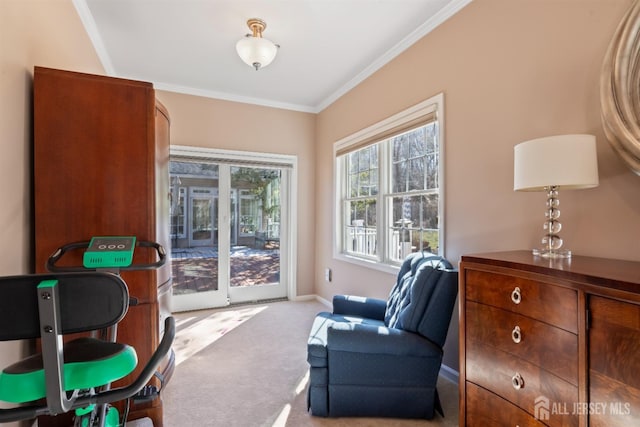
249, 219
389, 187
177, 210
272, 209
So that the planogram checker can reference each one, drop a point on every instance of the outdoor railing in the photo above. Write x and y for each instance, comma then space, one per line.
362, 240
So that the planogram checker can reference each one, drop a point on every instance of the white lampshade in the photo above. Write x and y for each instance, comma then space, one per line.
564, 161
256, 52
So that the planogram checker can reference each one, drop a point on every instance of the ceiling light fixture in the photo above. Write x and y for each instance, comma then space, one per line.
255, 50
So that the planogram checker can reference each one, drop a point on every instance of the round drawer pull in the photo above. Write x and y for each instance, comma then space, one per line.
517, 381
516, 335
516, 297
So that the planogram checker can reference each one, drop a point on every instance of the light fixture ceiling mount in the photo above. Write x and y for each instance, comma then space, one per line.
255, 50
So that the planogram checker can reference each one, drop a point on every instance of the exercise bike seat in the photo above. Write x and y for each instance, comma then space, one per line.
88, 363
83, 302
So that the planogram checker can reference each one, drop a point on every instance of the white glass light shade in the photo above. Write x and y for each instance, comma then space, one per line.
257, 52
564, 161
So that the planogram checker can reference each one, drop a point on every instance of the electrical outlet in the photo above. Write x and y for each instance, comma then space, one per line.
328, 275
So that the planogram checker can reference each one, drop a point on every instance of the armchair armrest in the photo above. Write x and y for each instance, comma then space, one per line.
370, 308
371, 339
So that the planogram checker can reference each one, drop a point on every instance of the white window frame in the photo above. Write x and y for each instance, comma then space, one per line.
432, 105
182, 200
246, 198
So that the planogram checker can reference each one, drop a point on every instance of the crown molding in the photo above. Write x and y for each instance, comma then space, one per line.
443, 14
234, 98
94, 35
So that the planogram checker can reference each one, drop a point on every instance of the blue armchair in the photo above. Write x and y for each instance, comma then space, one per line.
379, 358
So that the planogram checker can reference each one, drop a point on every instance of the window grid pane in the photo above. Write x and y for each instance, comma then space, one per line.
249, 218
361, 227
360, 207
178, 218
363, 172
414, 160
414, 226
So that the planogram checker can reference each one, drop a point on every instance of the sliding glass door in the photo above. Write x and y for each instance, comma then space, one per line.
230, 231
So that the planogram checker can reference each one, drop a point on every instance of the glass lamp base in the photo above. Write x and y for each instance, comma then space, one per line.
552, 253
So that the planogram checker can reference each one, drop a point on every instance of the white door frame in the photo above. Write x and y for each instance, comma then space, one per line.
288, 253
199, 193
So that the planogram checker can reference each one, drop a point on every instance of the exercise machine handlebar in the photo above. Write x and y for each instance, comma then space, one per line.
59, 253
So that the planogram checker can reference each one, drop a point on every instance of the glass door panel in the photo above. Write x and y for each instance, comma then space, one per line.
194, 252
254, 260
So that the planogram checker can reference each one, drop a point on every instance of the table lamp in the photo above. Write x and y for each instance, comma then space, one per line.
549, 164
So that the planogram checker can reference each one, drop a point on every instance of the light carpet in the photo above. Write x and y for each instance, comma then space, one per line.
246, 366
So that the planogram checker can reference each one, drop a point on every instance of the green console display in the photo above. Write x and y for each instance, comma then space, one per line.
109, 252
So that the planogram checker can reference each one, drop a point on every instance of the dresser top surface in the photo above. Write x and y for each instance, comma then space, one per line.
612, 273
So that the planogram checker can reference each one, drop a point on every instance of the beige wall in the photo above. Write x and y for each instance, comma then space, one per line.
510, 71
32, 32
210, 123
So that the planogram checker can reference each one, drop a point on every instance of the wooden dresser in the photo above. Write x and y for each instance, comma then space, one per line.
549, 342
101, 167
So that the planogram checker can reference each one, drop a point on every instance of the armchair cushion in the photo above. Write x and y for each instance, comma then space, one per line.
410, 301
318, 337
350, 305
379, 340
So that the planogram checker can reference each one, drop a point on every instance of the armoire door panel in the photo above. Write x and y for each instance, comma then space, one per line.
101, 168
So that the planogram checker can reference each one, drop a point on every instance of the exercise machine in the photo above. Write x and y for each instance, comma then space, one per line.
76, 375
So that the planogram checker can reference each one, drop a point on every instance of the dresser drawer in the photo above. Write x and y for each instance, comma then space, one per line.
498, 372
485, 409
554, 349
552, 304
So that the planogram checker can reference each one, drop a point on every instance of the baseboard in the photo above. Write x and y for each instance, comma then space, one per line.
324, 302
303, 298
314, 297
449, 374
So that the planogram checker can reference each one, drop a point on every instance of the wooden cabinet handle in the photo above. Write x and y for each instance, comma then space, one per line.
516, 297
517, 381
516, 335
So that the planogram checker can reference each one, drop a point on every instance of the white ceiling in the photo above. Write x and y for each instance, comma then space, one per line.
326, 46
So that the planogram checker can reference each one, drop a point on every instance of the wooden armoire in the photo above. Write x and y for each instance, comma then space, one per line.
101, 168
